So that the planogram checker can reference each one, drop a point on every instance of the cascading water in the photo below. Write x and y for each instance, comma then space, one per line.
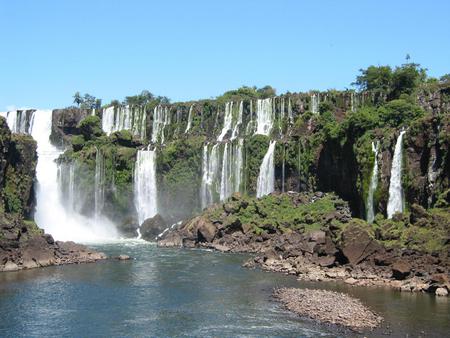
315, 99
210, 171
373, 184
238, 123
145, 190
20, 121
124, 118
221, 177
227, 121
161, 118
291, 117
99, 185
395, 202
51, 214
266, 177
189, 124
264, 116
225, 183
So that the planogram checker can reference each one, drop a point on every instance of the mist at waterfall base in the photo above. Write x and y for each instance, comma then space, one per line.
186, 293
51, 214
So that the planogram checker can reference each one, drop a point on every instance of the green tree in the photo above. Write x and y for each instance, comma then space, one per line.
77, 99
377, 79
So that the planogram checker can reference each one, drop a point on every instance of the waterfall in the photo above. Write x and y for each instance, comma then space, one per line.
227, 121
210, 173
238, 123
395, 202
124, 118
20, 121
315, 99
145, 190
249, 128
225, 183
282, 113
99, 185
189, 124
221, 177
161, 118
52, 215
266, 177
291, 117
373, 184
264, 116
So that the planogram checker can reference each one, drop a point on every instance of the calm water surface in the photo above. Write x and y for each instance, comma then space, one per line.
188, 293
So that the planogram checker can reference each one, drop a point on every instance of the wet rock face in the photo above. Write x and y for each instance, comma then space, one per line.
18, 159
152, 227
64, 124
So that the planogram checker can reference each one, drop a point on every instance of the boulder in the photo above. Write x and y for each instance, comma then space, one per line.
401, 270
206, 231
441, 292
172, 239
357, 245
152, 227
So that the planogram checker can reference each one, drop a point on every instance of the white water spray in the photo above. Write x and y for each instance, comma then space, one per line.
51, 214
145, 190
266, 177
189, 124
395, 202
264, 116
373, 184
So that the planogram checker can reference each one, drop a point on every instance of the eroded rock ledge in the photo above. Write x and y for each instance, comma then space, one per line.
24, 246
313, 236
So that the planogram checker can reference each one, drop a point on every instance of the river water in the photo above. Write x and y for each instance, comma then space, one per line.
186, 293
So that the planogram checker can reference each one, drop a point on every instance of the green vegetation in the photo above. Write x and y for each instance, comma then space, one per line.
86, 101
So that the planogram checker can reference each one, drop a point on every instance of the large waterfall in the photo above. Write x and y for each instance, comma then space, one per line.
161, 118
63, 223
395, 202
145, 191
124, 118
265, 116
373, 184
221, 177
266, 177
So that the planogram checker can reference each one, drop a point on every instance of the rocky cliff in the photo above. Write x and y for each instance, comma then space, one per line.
323, 143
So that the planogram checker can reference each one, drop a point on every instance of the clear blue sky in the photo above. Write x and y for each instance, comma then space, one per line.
199, 49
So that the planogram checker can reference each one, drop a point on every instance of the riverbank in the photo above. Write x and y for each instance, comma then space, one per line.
314, 237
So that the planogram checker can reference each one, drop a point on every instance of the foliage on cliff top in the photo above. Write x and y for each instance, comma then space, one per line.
286, 212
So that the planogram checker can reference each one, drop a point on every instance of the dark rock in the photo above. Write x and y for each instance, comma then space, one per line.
152, 227
357, 245
65, 124
400, 270
418, 213
206, 230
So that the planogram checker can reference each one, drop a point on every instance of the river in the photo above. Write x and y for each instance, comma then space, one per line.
185, 293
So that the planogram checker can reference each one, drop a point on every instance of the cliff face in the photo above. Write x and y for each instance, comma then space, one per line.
323, 143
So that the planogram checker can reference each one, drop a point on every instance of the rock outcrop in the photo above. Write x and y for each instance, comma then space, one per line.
313, 236
152, 227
